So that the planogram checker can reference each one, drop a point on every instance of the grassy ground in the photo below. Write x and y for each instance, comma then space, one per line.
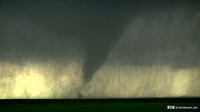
93, 105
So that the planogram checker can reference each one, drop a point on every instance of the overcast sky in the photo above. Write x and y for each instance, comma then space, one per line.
78, 48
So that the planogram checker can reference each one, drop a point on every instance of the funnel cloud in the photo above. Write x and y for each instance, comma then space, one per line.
95, 24
99, 48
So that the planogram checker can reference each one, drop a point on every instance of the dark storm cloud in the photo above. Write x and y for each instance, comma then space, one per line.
49, 29
168, 36
64, 29
162, 38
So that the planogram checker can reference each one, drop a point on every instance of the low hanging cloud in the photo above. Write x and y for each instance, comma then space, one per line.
161, 38
156, 56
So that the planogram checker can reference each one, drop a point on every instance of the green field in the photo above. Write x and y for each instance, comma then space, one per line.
93, 105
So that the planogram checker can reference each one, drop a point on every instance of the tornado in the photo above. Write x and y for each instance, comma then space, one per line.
97, 25
97, 48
